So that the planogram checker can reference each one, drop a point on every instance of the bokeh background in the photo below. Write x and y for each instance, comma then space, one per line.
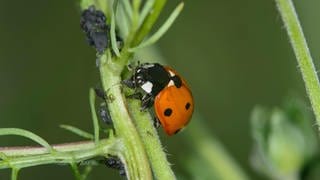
234, 54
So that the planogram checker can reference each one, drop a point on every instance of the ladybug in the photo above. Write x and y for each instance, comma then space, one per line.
167, 91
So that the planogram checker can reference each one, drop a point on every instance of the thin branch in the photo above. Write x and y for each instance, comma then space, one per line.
77, 131
302, 53
92, 100
27, 134
20, 157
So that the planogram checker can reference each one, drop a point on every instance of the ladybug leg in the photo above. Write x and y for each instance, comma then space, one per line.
132, 65
156, 122
129, 83
136, 95
146, 102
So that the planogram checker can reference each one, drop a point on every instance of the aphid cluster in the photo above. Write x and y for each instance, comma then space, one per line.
93, 23
115, 163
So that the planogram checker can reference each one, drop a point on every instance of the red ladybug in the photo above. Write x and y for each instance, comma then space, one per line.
167, 91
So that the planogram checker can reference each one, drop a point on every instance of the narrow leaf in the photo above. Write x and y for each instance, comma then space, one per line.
86, 172
14, 173
92, 99
27, 134
127, 7
163, 29
145, 11
114, 44
3, 156
77, 131
76, 171
123, 22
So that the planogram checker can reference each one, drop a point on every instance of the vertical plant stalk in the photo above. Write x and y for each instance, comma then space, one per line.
131, 124
302, 53
157, 157
137, 165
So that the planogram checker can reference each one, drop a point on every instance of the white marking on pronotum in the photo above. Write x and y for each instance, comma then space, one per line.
171, 83
147, 87
148, 65
171, 73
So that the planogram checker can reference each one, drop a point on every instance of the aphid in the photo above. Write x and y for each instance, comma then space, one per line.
115, 163
103, 109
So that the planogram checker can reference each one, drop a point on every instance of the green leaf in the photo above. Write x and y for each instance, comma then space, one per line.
76, 171
114, 44
14, 173
127, 8
27, 134
84, 4
286, 144
3, 156
163, 29
77, 131
92, 99
146, 10
122, 21
260, 126
136, 6
86, 172
283, 140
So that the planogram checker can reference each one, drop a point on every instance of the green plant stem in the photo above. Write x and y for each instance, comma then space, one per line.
157, 157
137, 146
14, 173
302, 53
135, 154
20, 157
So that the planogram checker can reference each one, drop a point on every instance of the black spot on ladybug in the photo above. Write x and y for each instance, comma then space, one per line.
177, 81
168, 112
187, 105
176, 132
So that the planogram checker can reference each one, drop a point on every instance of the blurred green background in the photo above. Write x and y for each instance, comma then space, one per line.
234, 54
